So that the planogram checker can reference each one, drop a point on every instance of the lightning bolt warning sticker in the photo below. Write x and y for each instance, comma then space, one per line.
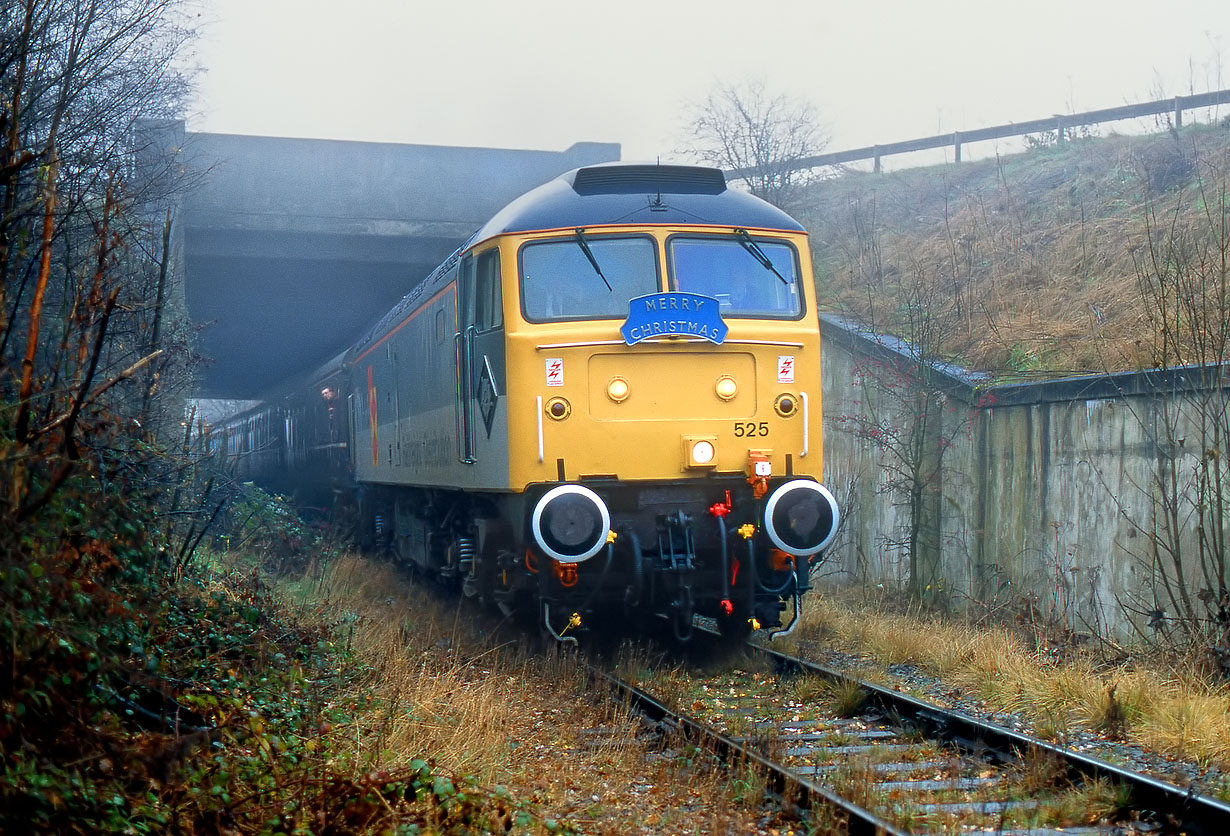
555, 371
785, 368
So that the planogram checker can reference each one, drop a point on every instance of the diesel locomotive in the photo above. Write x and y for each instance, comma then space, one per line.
604, 405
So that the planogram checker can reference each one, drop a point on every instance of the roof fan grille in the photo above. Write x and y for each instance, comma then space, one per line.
649, 179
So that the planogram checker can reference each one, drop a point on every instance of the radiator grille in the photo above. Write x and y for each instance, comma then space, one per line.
649, 179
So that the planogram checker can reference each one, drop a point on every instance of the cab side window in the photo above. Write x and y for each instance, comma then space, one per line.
489, 308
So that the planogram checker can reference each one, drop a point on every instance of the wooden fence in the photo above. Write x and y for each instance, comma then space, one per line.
1060, 123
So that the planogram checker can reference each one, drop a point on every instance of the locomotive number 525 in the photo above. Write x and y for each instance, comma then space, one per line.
751, 429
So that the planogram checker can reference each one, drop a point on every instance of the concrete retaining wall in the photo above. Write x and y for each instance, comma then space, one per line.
1045, 494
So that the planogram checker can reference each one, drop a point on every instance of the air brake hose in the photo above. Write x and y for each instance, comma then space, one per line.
755, 572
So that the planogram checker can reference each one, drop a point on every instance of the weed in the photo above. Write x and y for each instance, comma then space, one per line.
747, 786
1113, 720
1041, 770
810, 689
849, 699
1052, 724
1090, 803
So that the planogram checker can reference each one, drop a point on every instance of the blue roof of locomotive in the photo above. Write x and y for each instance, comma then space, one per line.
636, 193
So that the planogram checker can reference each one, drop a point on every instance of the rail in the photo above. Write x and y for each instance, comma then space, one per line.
909, 766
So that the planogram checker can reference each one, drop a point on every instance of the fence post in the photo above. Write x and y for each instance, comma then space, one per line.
1058, 129
956, 143
876, 151
1178, 113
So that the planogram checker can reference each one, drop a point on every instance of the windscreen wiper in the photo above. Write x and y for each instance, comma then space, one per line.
754, 248
590, 255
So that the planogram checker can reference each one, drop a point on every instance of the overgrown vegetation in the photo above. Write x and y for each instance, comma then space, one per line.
450, 681
1163, 703
140, 705
1091, 256
139, 694
1028, 263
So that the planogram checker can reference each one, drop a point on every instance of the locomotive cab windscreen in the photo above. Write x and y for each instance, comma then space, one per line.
588, 276
749, 278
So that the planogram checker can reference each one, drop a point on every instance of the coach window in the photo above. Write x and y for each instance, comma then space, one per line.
489, 308
754, 278
585, 276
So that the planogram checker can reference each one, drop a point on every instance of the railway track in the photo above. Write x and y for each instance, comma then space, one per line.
883, 762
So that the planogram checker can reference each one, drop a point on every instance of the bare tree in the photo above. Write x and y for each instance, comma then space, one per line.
912, 406
80, 256
1183, 276
759, 137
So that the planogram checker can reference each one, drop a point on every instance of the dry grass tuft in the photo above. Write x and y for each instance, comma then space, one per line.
477, 700
849, 700
1091, 803
809, 689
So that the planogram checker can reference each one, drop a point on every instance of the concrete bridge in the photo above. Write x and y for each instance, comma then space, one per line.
291, 247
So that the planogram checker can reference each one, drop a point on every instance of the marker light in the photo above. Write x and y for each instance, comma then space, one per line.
558, 408
726, 388
700, 451
617, 389
786, 405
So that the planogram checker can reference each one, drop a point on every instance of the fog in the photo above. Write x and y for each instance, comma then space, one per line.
547, 73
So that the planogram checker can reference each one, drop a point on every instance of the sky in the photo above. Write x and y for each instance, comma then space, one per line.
543, 74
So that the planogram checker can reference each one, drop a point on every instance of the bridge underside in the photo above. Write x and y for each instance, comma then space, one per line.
288, 302
290, 248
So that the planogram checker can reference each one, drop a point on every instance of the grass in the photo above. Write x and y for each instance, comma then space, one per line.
1090, 803
448, 681
1028, 264
1150, 702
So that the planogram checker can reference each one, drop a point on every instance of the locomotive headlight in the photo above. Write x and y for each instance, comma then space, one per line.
617, 389
726, 388
700, 451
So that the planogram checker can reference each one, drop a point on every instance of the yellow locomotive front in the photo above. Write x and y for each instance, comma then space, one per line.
659, 361
686, 358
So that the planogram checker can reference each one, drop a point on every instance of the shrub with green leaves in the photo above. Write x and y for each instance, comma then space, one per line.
140, 698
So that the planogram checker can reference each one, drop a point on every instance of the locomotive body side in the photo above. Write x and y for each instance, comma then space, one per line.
409, 423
